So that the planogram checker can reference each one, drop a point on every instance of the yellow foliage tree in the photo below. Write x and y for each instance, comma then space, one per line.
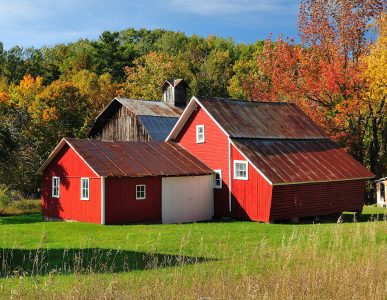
144, 80
375, 99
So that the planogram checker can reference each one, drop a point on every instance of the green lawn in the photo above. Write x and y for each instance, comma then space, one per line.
200, 260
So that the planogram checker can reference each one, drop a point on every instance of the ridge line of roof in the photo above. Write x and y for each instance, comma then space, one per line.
246, 101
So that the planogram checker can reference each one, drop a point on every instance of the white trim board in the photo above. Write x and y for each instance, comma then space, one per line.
185, 116
254, 166
56, 151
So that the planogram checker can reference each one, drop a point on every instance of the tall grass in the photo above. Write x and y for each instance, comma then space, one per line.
343, 261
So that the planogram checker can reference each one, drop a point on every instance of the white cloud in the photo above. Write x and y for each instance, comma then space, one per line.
232, 7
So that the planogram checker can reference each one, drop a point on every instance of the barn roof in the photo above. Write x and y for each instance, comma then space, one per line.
158, 128
157, 117
261, 119
279, 140
247, 119
301, 161
150, 108
133, 159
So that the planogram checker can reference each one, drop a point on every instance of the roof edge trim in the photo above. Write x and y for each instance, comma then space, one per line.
54, 153
185, 116
254, 166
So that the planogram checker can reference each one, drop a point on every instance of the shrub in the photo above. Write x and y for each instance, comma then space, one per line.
5, 195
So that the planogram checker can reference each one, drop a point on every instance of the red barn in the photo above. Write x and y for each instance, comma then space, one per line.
271, 161
125, 182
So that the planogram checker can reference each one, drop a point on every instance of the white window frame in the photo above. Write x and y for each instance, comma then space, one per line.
88, 188
236, 176
218, 186
198, 139
54, 180
140, 197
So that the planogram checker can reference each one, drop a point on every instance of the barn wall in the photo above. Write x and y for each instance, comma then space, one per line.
316, 199
121, 205
70, 168
213, 152
123, 125
250, 198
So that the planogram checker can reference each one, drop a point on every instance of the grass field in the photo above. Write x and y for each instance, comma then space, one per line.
216, 260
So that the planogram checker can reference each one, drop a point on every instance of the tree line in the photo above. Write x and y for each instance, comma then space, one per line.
336, 74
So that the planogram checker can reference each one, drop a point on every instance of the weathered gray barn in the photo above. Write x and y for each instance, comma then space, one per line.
141, 120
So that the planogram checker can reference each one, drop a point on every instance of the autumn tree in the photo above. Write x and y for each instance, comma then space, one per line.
144, 80
97, 91
374, 101
339, 23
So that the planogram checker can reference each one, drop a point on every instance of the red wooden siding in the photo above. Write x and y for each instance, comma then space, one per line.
316, 199
121, 205
213, 152
70, 168
250, 198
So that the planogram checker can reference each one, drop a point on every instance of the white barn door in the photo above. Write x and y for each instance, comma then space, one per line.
187, 199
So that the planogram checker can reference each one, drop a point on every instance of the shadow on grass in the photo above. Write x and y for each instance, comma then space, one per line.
40, 262
21, 219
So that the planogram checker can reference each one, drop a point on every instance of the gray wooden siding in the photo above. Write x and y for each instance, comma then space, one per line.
123, 126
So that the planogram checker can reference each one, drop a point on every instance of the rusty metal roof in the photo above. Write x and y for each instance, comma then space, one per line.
274, 120
301, 161
134, 159
150, 108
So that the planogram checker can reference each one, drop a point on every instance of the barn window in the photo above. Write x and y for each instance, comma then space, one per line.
217, 179
241, 169
85, 189
199, 134
55, 187
140, 192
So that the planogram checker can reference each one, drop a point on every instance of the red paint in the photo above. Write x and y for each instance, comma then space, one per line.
316, 199
70, 168
121, 205
213, 152
251, 198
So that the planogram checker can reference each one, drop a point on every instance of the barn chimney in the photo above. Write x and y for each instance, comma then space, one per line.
175, 92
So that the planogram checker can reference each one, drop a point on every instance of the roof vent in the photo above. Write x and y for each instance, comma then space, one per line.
175, 92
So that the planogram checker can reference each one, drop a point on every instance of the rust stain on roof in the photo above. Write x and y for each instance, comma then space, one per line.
138, 159
271, 120
301, 161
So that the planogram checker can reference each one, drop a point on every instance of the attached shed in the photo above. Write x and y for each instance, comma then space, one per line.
271, 161
125, 182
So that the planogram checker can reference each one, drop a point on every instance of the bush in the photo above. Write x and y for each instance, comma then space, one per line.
14, 203
5, 195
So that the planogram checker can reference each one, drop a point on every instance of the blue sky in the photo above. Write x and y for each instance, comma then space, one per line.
43, 22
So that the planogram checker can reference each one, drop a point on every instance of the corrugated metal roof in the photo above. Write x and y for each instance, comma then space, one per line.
150, 108
158, 128
274, 120
301, 161
133, 159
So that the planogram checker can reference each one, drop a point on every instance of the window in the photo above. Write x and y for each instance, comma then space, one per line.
140, 192
55, 187
85, 189
199, 134
241, 169
218, 179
